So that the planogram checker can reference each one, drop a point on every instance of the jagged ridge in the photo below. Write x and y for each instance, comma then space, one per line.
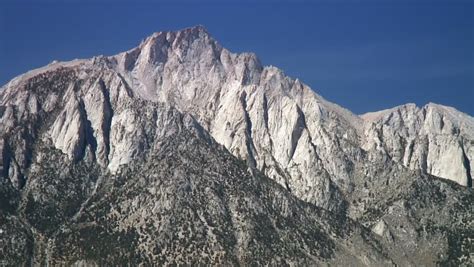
92, 111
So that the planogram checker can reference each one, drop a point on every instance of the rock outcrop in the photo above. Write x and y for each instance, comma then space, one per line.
435, 139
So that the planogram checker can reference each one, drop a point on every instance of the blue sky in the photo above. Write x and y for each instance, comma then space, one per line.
364, 55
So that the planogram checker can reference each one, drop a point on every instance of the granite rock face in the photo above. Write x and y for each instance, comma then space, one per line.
435, 139
181, 140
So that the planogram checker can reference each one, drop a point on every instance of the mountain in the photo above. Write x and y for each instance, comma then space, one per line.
179, 151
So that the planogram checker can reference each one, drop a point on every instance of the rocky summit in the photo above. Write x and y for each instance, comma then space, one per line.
179, 151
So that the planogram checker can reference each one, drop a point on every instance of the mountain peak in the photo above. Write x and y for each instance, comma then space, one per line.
194, 32
196, 28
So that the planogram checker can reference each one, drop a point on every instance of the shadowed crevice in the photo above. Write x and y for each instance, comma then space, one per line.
300, 125
248, 132
88, 133
108, 114
467, 165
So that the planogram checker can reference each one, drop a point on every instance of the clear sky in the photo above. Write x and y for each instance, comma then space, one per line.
364, 55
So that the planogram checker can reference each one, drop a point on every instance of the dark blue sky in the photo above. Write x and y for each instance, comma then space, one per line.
364, 55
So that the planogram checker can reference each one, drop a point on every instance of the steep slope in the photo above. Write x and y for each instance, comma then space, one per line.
184, 199
278, 124
191, 202
85, 145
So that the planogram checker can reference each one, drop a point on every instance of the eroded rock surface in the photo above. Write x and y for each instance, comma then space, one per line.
227, 162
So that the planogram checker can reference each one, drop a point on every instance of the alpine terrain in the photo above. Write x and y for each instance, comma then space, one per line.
179, 151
